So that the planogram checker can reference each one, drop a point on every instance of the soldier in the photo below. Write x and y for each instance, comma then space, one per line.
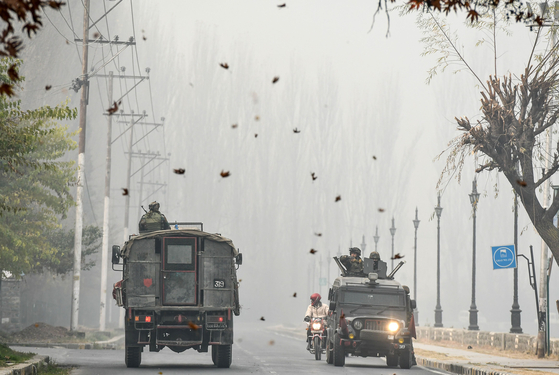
153, 220
353, 262
411, 321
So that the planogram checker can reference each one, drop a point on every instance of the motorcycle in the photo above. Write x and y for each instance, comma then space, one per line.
317, 326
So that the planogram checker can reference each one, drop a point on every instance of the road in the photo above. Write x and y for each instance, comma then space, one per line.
257, 350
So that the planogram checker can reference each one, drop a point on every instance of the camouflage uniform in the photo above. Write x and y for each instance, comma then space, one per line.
353, 265
153, 220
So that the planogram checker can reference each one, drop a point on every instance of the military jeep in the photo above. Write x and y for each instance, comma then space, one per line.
370, 317
180, 290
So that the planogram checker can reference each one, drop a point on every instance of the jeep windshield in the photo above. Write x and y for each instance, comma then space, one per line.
379, 302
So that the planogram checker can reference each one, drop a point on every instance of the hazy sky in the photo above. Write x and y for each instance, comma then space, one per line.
370, 129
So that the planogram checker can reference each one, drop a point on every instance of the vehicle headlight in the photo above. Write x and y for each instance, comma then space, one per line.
316, 326
358, 324
393, 326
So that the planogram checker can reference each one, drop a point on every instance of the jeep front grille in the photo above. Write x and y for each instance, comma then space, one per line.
376, 325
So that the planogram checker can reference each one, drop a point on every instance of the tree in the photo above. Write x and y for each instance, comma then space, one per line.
34, 182
516, 112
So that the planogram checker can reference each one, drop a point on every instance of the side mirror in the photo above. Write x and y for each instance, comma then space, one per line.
239, 259
116, 254
413, 304
332, 306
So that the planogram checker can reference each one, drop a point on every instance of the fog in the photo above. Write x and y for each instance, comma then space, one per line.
370, 130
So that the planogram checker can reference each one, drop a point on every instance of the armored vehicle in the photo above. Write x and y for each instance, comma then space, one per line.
179, 288
370, 317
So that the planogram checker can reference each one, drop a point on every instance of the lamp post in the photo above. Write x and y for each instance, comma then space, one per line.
438, 310
515, 318
392, 232
416, 225
363, 246
474, 198
376, 238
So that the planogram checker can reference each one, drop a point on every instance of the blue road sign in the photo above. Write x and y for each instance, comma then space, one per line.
503, 257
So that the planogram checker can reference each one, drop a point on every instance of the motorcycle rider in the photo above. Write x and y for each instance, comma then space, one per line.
315, 310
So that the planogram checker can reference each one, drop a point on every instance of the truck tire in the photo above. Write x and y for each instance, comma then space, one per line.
223, 357
339, 353
214, 354
132, 356
329, 354
392, 360
406, 359
317, 348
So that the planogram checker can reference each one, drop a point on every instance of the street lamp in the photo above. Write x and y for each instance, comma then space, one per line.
376, 238
416, 225
515, 318
363, 246
392, 232
474, 198
438, 310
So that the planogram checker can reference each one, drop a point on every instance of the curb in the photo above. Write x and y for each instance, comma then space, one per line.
66, 346
29, 367
458, 369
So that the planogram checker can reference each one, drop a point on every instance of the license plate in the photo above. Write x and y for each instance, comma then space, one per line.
216, 325
401, 346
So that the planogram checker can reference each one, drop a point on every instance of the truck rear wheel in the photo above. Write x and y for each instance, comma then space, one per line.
406, 359
339, 354
223, 355
132, 356
392, 360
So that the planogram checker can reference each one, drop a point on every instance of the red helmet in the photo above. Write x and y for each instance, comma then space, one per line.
315, 298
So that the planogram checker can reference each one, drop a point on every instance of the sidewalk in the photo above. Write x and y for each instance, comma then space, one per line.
470, 362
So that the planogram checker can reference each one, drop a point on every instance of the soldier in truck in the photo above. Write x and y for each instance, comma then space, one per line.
153, 220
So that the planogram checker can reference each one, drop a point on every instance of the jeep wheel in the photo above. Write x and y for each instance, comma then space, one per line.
392, 360
339, 354
406, 359
223, 356
329, 354
317, 348
132, 356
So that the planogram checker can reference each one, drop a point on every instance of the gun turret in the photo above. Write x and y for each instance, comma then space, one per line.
340, 265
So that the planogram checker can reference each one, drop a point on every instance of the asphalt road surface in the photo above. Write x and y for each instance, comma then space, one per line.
257, 350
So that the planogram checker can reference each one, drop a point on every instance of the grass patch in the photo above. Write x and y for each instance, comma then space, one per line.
54, 369
9, 357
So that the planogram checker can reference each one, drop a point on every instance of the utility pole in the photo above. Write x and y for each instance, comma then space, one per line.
392, 232
81, 165
416, 225
106, 216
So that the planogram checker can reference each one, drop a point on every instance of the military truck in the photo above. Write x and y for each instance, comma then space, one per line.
179, 288
370, 317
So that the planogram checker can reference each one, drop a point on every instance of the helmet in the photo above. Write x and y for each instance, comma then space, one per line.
355, 250
315, 298
154, 206
374, 255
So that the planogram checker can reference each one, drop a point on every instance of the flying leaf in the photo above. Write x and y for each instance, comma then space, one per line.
255, 135
313, 176
48, 87
276, 78
234, 126
144, 37
313, 251
193, 326
521, 183
381, 209
272, 342
114, 108
179, 171
318, 234
124, 191
338, 198
256, 118
224, 65
295, 295
397, 256
225, 173
374, 157
296, 131
281, 5
96, 35
262, 318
